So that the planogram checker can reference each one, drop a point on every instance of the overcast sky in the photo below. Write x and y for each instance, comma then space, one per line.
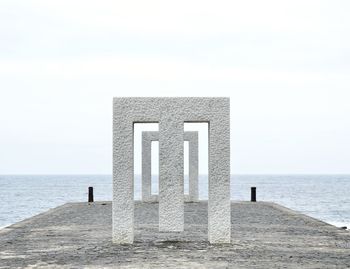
285, 65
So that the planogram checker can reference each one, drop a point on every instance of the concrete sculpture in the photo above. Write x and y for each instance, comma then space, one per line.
147, 138
171, 113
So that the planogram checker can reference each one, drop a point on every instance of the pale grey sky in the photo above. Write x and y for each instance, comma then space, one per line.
285, 65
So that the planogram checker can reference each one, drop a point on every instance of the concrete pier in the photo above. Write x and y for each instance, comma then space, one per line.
263, 235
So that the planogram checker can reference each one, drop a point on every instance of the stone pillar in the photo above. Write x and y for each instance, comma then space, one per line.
192, 137
123, 183
219, 205
146, 176
171, 174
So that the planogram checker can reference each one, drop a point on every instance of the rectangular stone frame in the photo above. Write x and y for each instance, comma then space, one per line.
146, 177
171, 113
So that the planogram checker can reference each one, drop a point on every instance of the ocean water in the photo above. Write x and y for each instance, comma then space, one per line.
325, 197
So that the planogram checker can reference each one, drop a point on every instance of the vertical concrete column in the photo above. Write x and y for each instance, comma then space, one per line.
193, 166
146, 167
219, 205
171, 172
123, 180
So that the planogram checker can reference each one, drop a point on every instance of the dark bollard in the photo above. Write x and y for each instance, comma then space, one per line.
91, 194
253, 194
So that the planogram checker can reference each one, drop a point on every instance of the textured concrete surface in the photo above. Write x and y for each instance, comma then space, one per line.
264, 235
147, 138
171, 113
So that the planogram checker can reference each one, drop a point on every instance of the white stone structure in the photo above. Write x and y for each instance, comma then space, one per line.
171, 113
146, 179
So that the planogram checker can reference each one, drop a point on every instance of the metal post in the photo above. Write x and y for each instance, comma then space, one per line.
91, 194
253, 194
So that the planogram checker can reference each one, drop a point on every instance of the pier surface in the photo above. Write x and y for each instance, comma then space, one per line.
264, 235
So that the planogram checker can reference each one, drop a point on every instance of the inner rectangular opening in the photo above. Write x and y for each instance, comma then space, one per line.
186, 167
203, 134
155, 167
138, 129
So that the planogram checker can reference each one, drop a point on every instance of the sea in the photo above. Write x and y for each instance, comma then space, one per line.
325, 197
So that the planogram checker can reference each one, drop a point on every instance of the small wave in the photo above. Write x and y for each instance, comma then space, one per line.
339, 224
